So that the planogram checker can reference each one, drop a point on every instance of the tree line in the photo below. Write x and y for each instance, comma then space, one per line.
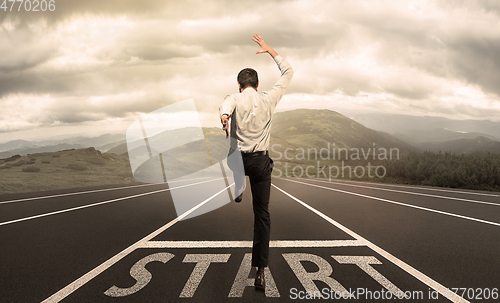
478, 170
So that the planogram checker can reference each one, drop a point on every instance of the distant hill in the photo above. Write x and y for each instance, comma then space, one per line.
407, 124
107, 147
23, 147
463, 146
103, 140
417, 137
317, 128
119, 149
85, 141
40, 149
15, 145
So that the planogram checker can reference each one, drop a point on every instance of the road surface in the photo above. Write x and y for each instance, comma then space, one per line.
369, 241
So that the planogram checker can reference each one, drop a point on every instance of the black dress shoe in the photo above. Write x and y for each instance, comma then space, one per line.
239, 198
260, 281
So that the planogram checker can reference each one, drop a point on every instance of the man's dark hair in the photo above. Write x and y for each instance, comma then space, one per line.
248, 77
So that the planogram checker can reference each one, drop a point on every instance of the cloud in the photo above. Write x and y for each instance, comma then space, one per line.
90, 61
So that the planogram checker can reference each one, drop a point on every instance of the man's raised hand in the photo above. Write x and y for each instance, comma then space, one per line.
264, 48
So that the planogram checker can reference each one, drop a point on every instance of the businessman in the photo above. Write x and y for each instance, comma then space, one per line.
250, 113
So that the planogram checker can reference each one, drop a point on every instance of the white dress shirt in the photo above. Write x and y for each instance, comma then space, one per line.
252, 112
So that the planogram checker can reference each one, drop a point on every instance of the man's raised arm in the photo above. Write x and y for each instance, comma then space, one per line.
264, 48
286, 70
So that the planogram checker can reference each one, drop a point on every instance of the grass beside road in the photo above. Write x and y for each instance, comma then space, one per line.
63, 169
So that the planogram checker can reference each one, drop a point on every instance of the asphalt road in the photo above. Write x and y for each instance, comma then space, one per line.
372, 241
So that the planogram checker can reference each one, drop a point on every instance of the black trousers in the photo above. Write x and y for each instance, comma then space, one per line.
258, 169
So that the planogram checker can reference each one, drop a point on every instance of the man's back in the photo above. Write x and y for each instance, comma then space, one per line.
252, 111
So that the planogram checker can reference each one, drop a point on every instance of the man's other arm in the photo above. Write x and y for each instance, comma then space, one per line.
225, 112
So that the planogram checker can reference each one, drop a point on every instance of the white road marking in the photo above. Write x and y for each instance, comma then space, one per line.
75, 193
242, 280
96, 204
202, 261
412, 271
140, 274
323, 274
364, 263
66, 291
88, 192
399, 203
418, 187
406, 192
249, 244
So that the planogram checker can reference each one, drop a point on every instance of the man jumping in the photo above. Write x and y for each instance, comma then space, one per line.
251, 115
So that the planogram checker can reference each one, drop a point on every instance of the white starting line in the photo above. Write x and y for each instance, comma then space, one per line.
249, 244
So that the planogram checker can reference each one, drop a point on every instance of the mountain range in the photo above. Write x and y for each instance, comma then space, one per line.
437, 133
310, 128
407, 124
23, 147
297, 129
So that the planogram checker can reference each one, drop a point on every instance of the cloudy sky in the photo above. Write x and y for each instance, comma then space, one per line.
93, 66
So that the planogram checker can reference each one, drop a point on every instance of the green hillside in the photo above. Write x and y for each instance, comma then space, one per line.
317, 128
324, 139
62, 169
306, 136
